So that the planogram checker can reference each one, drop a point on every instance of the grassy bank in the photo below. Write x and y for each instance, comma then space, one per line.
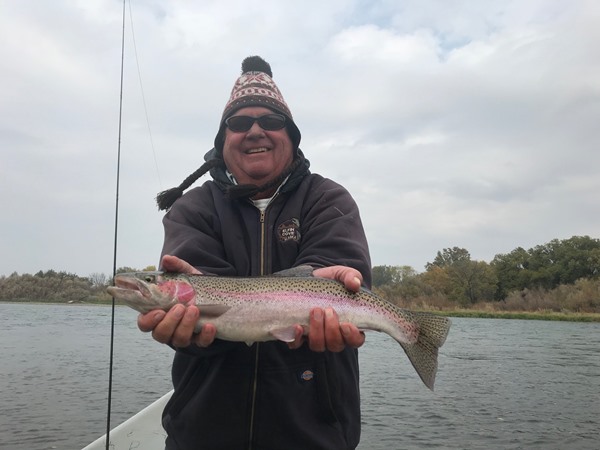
522, 315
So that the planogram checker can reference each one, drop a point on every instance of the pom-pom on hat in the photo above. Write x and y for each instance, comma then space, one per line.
255, 87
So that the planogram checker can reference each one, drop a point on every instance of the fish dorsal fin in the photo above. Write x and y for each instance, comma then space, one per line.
298, 271
213, 310
287, 334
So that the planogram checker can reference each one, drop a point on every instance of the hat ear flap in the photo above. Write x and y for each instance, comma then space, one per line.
220, 138
165, 199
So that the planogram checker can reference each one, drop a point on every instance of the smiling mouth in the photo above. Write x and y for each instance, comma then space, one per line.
253, 151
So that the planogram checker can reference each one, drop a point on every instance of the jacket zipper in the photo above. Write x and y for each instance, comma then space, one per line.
262, 241
257, 348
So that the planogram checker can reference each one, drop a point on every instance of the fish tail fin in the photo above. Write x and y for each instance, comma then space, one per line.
423, 354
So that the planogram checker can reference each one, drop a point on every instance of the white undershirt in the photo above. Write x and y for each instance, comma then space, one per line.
261, 203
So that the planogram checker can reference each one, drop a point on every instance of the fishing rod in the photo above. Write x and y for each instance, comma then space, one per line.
112, 316
118, 176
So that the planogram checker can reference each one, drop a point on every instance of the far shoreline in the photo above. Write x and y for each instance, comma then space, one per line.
565, 316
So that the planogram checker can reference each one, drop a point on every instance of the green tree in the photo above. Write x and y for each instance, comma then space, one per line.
438, 279
390, 275
397, 283
578, 257
512, 272
475, 281
547, 265
448, 257
462, 280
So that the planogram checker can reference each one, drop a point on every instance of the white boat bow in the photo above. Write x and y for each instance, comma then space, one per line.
142, 431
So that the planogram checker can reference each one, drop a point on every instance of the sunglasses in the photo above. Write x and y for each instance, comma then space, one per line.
268, 122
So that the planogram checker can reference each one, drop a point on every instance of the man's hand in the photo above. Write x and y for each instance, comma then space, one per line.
349, 277
176, 327
325, 332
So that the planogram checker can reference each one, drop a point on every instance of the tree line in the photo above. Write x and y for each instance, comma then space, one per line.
58, 287
559, 275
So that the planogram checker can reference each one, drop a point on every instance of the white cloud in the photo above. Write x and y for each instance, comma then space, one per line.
470, 124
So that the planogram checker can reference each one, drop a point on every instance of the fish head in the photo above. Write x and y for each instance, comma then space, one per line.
146, 291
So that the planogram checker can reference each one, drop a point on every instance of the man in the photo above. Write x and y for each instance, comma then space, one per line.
263, 212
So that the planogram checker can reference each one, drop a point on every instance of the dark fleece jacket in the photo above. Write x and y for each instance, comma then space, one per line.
266, 396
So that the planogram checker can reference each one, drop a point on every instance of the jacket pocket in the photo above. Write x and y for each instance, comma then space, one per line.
326, 392
186, 383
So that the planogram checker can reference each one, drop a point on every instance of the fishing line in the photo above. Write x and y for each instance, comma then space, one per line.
112, 317
137, 62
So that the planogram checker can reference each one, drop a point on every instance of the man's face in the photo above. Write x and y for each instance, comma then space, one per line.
256, 156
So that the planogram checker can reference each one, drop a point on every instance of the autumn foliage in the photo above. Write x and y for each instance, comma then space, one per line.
562, 275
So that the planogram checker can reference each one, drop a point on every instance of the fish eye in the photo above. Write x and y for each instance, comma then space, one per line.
149, 278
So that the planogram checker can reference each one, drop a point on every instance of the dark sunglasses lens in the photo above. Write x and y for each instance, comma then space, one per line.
272, 122
269, 122
239, 123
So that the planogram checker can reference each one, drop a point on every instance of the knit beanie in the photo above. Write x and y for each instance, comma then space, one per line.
255, 87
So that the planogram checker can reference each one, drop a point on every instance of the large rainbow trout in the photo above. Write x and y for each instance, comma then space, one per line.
256, 309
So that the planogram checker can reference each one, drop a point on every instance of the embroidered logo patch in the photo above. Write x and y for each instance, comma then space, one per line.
289, 231
307, 375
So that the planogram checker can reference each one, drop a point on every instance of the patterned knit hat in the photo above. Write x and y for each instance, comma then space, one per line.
255, 87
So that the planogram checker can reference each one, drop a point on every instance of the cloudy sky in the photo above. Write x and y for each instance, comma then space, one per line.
453, 123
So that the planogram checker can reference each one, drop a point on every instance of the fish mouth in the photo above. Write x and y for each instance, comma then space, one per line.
131, 285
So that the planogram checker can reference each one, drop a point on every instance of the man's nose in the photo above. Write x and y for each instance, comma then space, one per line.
255, 131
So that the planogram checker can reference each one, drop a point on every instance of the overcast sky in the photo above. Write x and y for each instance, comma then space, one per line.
453, 123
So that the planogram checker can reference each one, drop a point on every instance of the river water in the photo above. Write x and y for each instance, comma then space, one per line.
502, 384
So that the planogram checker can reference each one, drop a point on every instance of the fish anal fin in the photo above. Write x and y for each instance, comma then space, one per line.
215, 310
287, 334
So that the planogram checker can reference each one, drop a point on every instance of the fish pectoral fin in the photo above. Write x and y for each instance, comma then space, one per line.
287, 334
213, 310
